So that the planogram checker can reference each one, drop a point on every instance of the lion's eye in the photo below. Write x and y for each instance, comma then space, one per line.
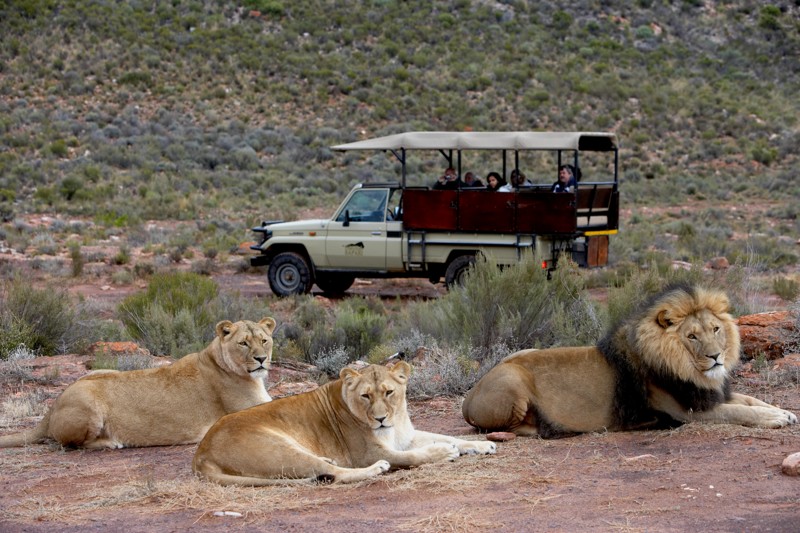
692, 336
389, 392
365, 396
242, 343
716, 329
263, 341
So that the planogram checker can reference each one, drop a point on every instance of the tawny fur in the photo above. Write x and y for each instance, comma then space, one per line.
671, 361
175, 404
352, 429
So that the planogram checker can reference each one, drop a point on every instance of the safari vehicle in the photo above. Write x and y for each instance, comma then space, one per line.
405, 228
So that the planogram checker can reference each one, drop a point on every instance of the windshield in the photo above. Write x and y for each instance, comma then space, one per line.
365, 205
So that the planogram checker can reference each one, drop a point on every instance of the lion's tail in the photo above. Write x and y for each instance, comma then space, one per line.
245, 481
31, 436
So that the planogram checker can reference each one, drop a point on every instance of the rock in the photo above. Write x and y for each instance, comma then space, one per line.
718, 263
791, 465
115, 349
291, 388
500, 436
766, 333
789, 362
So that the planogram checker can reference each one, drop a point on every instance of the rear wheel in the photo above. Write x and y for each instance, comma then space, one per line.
289, 274
335, 283
457, 270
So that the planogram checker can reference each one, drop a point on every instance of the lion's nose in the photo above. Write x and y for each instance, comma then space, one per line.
260, 359
380, 419
715, 357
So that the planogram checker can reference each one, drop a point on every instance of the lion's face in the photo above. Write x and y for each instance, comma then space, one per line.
246, 347
376, 395
692, 337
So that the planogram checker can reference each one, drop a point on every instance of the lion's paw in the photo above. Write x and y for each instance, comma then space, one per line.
382, 466
478, 447
442, 451
778, 418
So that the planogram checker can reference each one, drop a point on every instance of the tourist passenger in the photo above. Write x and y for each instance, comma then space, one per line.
566, 180
494, 182
518, 179
470, 180
448, 180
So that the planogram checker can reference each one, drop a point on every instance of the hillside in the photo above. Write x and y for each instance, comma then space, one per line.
130, 111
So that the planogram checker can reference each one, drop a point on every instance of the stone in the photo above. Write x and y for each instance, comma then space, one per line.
116, 349
766, 333
500, 436
718, 263
791, 465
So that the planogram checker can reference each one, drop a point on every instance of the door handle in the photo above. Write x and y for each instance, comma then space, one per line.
376, 232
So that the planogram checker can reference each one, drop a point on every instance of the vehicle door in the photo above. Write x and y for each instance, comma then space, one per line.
357, 236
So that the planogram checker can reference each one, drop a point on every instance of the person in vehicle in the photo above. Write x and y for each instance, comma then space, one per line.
566, 180
471, 180
518, 179
448, 180
494, 182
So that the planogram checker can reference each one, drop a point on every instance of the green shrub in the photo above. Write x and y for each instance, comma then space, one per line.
173, 315
512, 306
788, 289
44, 320
361, 325
75, 255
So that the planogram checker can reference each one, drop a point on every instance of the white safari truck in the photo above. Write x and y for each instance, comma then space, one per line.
408, 228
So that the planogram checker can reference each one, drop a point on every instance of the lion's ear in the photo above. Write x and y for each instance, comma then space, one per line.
224, 328
401, 370
663, 320
269, 323
348, 373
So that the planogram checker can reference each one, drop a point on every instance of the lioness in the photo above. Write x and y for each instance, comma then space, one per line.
348, 430
175, 404
670, 361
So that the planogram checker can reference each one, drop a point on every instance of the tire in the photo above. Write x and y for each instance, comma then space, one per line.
289, 274
335, 283
457, 269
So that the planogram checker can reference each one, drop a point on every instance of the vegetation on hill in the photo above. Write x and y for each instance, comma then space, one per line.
151, 110
221, 115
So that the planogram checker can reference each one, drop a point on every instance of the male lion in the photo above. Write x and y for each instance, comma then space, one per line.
175, 404
348, 430
669, 362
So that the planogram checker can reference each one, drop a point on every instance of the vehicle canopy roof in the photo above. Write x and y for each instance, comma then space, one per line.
488, 140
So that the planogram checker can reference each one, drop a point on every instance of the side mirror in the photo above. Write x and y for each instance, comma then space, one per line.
346, 218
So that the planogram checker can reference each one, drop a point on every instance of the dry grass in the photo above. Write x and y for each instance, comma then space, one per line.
22, 405
187, 494
450, 521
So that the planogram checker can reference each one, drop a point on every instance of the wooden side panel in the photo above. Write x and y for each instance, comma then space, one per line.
486, 211
544, 212
430, 210
597, 251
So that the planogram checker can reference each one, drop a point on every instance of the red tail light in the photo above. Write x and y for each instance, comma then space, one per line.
544, 265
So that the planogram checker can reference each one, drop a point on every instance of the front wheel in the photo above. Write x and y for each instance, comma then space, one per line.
335, 283
289, 274
456, 272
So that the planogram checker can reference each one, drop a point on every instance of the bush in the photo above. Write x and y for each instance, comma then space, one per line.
788, 289
174, 315
44, 320
512, 306
362, 322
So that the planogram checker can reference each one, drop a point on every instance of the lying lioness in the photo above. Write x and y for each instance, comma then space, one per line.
175, 404
348, 430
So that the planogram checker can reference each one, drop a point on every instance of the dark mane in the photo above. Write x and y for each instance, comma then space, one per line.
633, 375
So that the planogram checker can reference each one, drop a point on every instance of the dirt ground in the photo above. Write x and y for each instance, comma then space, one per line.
696, 477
